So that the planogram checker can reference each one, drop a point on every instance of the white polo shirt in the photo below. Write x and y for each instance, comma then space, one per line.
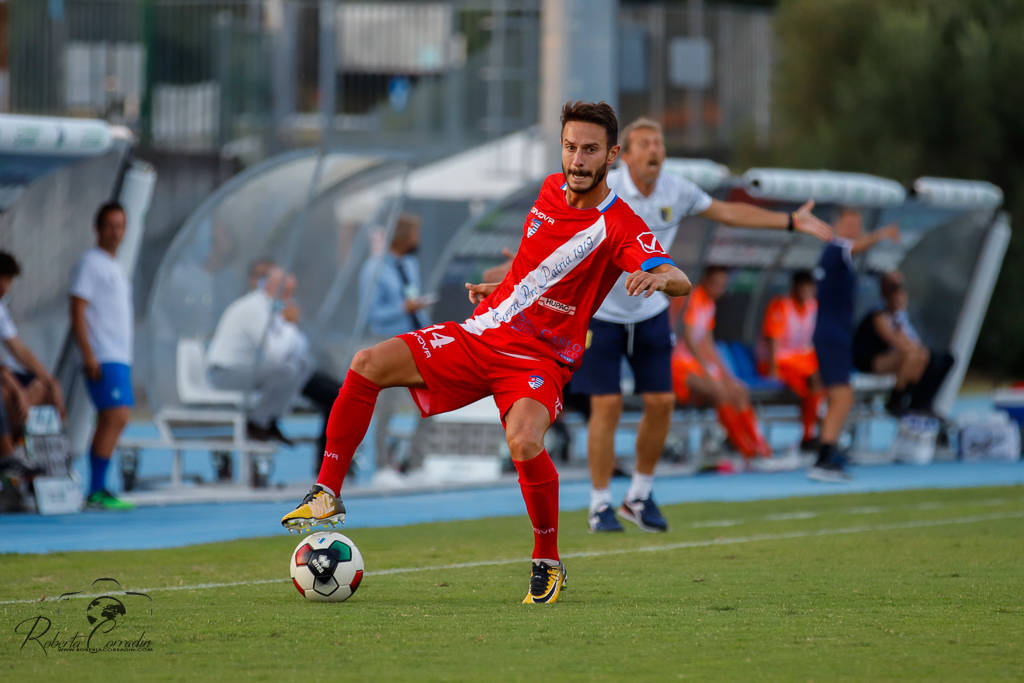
109, 318
7, 331
243, 327
673, 199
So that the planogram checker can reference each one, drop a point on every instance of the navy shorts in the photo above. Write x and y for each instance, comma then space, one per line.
835, 361
647, 345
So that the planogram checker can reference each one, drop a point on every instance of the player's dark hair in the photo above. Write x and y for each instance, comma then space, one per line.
714, 269
101, 213
9, 265
802, 277
600, 113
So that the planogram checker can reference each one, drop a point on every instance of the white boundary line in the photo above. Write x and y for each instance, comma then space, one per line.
706, 543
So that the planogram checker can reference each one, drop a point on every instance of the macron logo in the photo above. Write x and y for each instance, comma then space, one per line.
649, 243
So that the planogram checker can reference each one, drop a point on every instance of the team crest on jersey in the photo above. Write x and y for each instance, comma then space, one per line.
666, 213
534, 227
649, 243
536, 381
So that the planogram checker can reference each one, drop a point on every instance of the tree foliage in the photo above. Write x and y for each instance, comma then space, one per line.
904, 88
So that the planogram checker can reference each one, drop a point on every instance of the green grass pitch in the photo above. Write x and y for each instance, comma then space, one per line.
922, 585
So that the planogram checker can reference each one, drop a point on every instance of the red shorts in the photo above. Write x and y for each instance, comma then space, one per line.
459, 368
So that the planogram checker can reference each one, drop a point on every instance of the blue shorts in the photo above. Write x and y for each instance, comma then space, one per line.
114, 387
647, 345
835, 361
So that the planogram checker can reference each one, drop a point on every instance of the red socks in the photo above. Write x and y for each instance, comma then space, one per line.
346, 427
761, 446
538, 480
743, 430
732, 421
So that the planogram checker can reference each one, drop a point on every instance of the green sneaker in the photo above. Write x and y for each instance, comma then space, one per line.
104, 500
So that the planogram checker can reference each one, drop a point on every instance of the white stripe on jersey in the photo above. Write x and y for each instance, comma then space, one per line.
548, 273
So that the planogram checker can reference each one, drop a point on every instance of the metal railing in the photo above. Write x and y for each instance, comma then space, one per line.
202, 74
263, 75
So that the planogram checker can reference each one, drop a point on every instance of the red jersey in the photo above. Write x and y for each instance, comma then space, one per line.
568, 260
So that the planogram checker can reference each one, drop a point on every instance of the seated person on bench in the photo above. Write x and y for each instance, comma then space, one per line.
698, 373
258, 346
789, 350
887, 343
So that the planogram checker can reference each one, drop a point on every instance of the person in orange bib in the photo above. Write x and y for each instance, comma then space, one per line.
700, 376
789, 350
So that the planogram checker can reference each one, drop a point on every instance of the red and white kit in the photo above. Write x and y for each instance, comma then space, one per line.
526, 338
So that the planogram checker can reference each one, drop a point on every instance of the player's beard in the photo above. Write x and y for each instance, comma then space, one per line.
598, 176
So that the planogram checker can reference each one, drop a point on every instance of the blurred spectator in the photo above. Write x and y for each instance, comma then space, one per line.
321, 388
392, 294
887, 343
26, 382
788, 332
833, 333
700, 375
258, 346
102, 324
391, 283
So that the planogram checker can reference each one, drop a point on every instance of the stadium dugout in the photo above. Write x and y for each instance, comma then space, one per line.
954, 239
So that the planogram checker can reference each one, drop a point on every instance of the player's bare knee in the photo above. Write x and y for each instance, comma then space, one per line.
524, 444
659, 404
364, 363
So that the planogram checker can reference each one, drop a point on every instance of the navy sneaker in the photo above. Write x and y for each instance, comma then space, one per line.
604, 520
830, 467
644, 513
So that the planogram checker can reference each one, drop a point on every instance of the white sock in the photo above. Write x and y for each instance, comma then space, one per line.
640, 487
599, 498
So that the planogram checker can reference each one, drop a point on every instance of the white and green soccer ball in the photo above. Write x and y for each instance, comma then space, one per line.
326, 567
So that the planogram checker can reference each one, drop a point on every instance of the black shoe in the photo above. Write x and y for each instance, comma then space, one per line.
897, 405
256, 433
830, 466
810, 445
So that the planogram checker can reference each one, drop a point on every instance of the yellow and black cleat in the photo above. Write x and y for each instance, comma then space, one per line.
546, 583
318, 508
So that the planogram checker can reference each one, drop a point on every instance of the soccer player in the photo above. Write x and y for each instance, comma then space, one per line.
639, 330
788, 331
698, 373
102, 323
524, 339
833, 333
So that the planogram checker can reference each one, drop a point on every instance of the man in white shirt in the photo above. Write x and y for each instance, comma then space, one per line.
25, 381
258, 346
102, 321
638, 328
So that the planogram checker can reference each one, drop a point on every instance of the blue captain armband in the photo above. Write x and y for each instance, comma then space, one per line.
656, 261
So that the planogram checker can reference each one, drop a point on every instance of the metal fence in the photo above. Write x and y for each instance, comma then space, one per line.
202, 74
262, 75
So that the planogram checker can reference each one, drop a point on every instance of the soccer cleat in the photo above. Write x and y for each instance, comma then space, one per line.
104, 500
318, 508
604, 520
546, 583
644, 513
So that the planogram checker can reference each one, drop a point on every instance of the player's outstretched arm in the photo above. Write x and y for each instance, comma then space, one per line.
742, 215
662, 278
890, 232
